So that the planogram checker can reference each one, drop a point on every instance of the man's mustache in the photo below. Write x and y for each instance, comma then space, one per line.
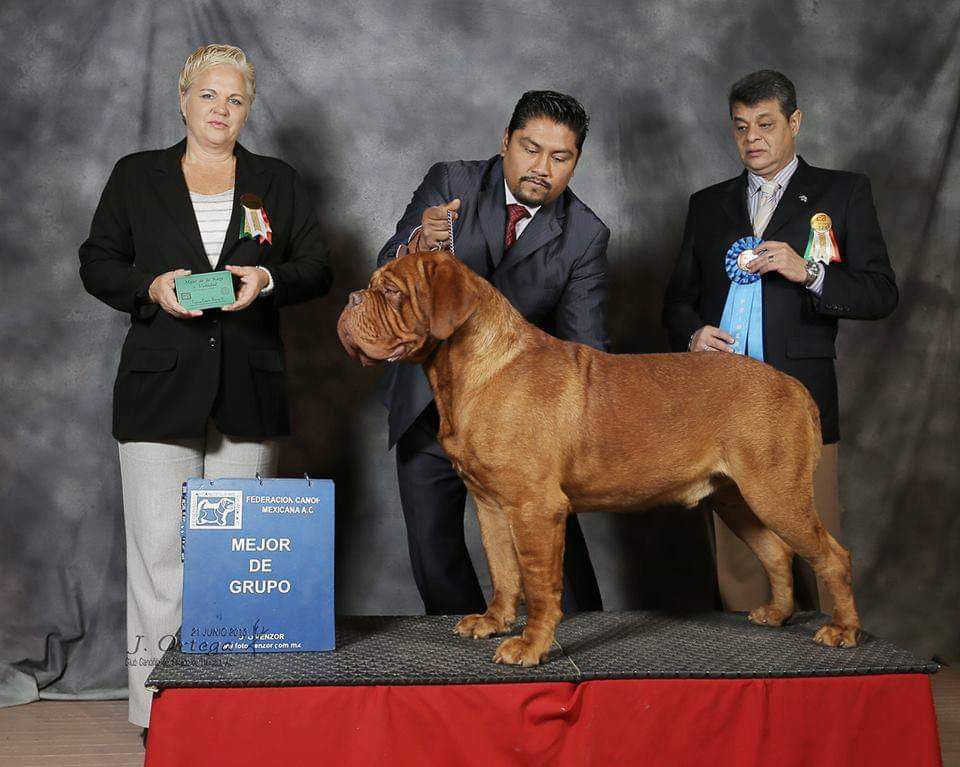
536, 180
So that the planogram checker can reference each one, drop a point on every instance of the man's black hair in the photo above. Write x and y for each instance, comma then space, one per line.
562, 109
762, 86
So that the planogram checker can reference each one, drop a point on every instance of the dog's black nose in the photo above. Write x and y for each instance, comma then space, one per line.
356, 297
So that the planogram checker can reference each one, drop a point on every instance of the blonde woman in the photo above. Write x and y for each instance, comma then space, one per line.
197, 393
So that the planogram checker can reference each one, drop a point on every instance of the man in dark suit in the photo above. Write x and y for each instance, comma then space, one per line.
518, 225
844, 273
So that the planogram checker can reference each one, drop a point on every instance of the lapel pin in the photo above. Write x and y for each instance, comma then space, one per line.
803, 198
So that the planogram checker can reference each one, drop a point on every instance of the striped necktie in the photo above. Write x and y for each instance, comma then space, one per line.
515, 214
765, 206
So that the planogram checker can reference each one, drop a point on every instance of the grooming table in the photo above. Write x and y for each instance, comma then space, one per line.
618, 688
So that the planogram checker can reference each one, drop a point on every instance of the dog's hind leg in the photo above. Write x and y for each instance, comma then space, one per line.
775, 555
789, 512
504, 572
538, 533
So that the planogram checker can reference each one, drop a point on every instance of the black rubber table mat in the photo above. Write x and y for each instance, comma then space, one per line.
407, 650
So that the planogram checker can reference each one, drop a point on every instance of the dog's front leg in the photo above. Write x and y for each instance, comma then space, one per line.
538, 534
504, 572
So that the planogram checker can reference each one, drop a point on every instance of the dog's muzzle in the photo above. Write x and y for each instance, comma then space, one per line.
346, 337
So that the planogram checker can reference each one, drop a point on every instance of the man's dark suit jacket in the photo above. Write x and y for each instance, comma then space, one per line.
175, 373
799, 330
555, 274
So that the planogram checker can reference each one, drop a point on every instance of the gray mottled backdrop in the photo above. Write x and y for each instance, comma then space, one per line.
362, 97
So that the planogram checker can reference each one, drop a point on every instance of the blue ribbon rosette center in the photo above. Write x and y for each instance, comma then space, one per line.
743, 312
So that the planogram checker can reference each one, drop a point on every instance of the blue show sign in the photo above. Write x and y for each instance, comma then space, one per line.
257, 565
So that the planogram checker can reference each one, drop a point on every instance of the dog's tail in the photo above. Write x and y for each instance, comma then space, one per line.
813, 413
812, 420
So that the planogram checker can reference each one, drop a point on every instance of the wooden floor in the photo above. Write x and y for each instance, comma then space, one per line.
96, 733
946, 693
81, 733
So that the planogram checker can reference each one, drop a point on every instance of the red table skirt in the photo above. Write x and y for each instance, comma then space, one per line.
822, 721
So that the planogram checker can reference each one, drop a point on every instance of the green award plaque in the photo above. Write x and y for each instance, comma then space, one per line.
209, 290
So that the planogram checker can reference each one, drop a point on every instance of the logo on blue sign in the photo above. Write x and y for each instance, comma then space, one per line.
216, 510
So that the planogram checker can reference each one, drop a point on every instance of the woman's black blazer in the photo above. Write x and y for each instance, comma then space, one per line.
175, 374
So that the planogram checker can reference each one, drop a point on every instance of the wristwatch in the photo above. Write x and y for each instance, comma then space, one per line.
813, 271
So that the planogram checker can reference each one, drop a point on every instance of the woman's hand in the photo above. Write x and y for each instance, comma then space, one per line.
253, 279
162, 291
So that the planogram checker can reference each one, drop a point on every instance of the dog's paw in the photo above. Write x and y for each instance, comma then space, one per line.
768, 615
833, 635
517, 651
481, 626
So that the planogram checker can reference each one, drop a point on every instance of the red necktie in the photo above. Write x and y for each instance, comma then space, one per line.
515, 213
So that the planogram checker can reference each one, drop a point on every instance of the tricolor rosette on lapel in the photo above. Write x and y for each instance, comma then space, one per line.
743, 312
255, 222
822, 244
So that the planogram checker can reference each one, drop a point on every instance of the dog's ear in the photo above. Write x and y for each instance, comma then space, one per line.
452, 297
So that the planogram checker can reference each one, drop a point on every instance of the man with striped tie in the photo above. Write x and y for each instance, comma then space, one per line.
770, 261
517, 224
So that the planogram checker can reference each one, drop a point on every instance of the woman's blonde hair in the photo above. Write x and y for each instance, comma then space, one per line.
207, 56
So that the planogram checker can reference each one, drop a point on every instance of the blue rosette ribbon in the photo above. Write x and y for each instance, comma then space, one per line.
743, 312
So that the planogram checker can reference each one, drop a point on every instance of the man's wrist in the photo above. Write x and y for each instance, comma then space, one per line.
813, 270
412, 244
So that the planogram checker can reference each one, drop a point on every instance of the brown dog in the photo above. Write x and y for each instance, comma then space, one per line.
541, 428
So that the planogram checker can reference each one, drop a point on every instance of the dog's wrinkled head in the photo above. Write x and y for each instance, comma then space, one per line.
411, 304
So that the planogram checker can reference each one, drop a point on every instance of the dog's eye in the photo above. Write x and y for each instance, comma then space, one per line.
393, 295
